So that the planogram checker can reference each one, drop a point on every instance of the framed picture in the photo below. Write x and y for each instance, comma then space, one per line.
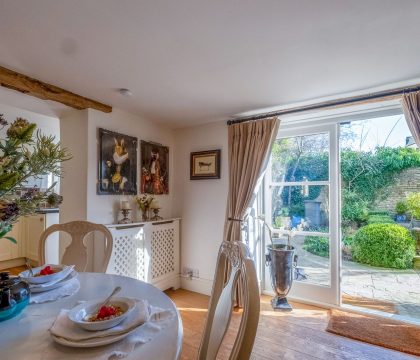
154, 168
205, 165
117, 164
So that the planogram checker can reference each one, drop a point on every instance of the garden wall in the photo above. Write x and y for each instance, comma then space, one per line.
406, 182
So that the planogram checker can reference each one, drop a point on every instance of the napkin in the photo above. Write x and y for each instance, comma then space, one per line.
158, 320
63, 327
70, 288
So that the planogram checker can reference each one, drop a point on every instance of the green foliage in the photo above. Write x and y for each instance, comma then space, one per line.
24, 155
354, 208
401, 207
367, 172
384, 245
317, 245
378, 212
413, 203
380, 219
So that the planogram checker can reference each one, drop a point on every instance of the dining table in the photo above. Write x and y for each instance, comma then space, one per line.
26, 336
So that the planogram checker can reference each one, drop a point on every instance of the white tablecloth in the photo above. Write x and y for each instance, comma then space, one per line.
26, 336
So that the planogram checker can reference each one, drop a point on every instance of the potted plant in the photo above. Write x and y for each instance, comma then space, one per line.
413, 204
401, 209
25, 153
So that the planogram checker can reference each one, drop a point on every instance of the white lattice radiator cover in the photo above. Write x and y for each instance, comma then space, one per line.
147, 252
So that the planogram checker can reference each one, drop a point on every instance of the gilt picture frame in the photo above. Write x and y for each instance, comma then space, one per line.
205, 165
117, 164
154, 168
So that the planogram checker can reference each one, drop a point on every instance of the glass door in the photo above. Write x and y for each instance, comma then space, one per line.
302, 207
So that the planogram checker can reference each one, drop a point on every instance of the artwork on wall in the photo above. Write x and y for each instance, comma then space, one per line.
154, 168
205, 165
117, 164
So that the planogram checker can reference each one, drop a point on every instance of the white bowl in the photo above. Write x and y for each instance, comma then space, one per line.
79, 313
63, 271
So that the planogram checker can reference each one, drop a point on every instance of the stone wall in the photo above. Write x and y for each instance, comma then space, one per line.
406, 182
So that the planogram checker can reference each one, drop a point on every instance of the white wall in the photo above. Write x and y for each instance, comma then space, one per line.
80, 135
200, 203
49, 125
104, 208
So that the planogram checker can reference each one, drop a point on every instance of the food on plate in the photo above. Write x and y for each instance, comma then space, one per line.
48, 270
106, 313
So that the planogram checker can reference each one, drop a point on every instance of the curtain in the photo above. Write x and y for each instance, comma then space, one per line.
249, 147
411, 106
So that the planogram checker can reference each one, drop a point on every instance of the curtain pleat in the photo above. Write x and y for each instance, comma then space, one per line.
411, 106
249, 147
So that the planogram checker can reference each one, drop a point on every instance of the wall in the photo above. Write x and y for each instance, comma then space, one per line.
49, 125
200, 203
104, 208
405, 183
80, 134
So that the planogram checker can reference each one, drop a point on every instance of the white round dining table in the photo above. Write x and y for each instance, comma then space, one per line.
26, 336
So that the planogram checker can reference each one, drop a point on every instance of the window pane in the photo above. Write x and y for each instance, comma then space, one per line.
313, 258
300, 158
302, 207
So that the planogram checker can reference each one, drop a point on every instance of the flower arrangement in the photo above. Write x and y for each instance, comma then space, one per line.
25, 154
144, 201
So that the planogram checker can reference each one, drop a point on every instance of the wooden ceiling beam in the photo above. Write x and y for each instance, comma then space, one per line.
30, 86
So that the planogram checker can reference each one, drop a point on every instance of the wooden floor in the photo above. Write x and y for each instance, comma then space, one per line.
299, 335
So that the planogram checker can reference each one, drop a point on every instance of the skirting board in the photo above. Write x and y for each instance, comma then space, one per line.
168, 283
202, 286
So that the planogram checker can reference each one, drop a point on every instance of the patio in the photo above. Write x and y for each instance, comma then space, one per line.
391, 290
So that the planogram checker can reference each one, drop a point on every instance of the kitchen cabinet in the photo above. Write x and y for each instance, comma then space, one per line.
27, 232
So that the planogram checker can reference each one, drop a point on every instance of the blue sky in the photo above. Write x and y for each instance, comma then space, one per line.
375, 132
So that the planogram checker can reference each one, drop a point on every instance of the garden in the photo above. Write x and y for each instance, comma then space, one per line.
370, 235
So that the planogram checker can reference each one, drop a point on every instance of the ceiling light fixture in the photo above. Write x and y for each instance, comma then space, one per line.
125, 92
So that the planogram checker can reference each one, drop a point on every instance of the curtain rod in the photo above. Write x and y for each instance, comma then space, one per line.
329, 104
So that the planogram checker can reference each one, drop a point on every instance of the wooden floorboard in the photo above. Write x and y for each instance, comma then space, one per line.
299, 335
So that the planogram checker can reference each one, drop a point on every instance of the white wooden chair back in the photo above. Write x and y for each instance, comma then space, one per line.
76, 252
233, 260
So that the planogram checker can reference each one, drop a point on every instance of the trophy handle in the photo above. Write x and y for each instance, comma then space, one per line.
295, 260
267, 259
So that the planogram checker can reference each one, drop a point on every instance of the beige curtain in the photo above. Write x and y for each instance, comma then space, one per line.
249, 145
411, 106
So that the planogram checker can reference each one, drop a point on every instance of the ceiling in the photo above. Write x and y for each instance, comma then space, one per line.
194, 61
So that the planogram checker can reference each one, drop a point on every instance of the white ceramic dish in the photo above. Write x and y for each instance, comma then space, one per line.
38, 288
63, 271
79, 313
92, 342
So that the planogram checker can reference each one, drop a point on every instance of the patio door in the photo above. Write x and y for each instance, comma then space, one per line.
301, 197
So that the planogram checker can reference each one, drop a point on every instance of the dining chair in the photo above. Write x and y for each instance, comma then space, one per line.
233, 260
76, 252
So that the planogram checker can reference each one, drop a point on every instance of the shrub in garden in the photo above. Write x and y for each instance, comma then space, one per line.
413, 203
385, 245
317, 245
401, 207
380, 219
354, 208
378, 212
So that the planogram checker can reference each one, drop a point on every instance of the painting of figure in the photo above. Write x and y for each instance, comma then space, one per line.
154, 168
117, 164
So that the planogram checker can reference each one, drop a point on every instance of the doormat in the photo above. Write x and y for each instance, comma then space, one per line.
384, 332
373, 304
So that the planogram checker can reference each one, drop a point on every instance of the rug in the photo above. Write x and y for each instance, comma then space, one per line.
375, 330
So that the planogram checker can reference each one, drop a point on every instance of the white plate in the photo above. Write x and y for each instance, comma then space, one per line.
65, 270
45, 287
92, 342
79, 313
